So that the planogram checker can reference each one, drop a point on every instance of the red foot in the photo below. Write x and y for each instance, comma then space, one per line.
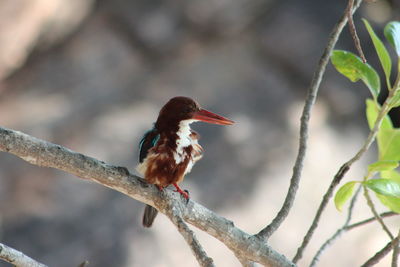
183, 193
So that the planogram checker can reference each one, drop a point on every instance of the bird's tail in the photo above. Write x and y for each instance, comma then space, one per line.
149, 215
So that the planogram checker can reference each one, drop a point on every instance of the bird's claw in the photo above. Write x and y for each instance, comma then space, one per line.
183, 193
187, 194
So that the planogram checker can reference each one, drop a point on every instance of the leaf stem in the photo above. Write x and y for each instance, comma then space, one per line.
376, 214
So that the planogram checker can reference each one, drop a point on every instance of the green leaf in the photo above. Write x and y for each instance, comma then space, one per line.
392, 34
384, 187
395, 101
383, 54
343, 194
389, 144
393, 203
386, 165
388, 138
372, 111
392, 174
354, 69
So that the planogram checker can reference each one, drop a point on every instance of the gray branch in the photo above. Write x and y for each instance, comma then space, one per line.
336, 235
345, 167
17, 258
381, 253
396, 250
176, 217
42, 153
347, 227
358, 224
304, 121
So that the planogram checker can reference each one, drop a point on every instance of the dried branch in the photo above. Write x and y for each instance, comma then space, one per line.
380, 254
353, 30
304, 121
190, 238
17, 258
382, 215
346, 228
311, 96
42, 153
339, 176
339, 232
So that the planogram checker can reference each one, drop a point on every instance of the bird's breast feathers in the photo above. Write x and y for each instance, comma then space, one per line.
164, 165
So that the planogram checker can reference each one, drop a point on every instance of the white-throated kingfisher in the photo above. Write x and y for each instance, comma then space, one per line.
169, 150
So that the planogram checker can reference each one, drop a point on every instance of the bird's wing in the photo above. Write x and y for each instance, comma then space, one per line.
149, 139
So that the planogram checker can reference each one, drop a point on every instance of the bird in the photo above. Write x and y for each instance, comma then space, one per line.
168, 151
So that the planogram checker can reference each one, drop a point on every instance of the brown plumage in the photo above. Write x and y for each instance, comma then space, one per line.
169, 151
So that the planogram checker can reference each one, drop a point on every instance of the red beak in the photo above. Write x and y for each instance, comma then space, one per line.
207, 116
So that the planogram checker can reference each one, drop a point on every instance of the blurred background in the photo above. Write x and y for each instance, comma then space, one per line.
92, 76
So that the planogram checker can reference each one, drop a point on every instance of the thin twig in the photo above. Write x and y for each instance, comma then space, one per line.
358, 224
304, 121
380, 254
190, 238
339, 231
376, 214
324, 60
351, 206
396, 250
345, 229
17, 258
353, 31
338, 177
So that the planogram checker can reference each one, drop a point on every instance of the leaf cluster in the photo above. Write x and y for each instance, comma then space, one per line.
382, 176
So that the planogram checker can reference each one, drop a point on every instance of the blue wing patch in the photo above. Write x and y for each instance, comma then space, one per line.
149, 140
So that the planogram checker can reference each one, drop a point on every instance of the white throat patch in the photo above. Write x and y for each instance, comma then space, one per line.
184, 140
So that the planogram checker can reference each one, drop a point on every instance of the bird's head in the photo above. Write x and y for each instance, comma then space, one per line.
182, 108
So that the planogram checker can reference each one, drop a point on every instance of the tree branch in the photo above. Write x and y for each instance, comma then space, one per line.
339, 231
190, 238
344, 168
396, 250
304, 121
346, 228
380, 254
42, 153
17, 258
382, 215
353, 31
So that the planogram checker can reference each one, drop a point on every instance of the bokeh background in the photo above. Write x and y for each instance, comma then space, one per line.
92, 76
